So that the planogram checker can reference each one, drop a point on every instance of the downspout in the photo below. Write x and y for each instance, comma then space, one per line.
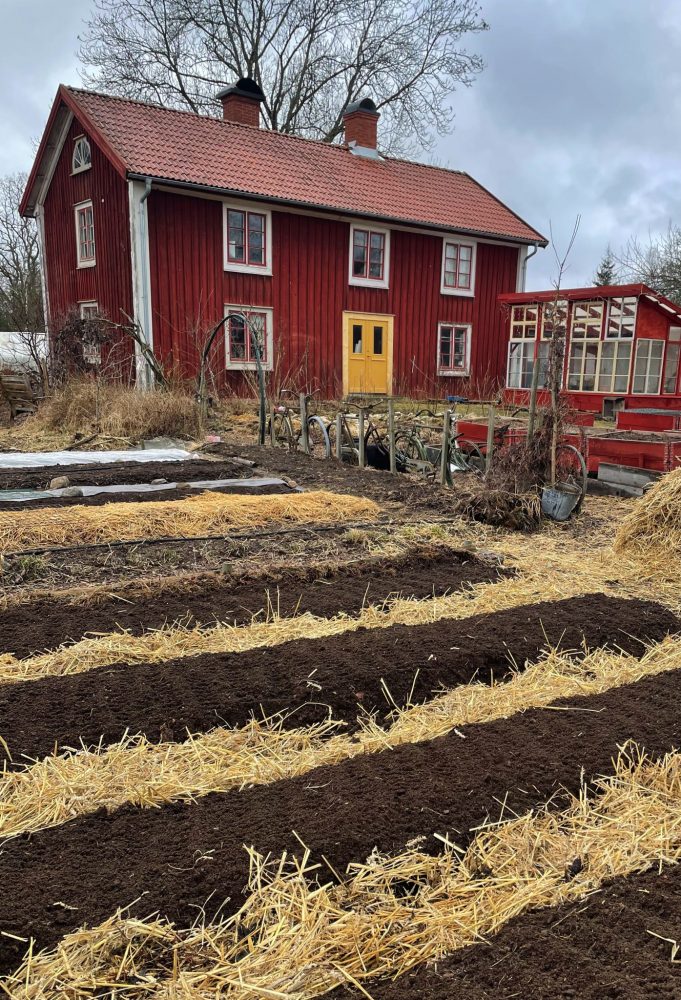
146, 278
527, 257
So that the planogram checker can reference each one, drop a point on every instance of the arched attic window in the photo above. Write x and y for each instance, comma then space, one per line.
82, 156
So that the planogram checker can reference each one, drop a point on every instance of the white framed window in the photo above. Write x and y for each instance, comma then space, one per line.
554, 318
81, 158
524, 322
522, 355
671, 367
587, 320
614, 365
648, 367
85, 234
92, 349
247, 238
621, 319
458, 266
369, 263
453, 348
239, 348
583, 365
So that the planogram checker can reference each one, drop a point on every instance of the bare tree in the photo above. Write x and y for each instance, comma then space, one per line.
21, 299
310, 57
21, 303
656, 263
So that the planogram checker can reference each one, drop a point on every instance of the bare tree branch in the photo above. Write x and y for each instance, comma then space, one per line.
311, 58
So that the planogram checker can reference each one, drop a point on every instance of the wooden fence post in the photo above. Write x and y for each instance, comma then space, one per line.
303, 423
444, 455
490, 438
361, 443
273, 433
391, 435
339, 432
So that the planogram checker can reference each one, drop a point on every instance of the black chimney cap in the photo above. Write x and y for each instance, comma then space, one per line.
364, 104
245, 87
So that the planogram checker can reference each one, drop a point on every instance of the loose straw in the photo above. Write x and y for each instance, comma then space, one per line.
137, 772
211, 514
293, 941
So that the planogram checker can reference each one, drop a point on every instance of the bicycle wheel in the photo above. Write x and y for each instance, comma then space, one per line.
318, 439
475, 459
349, 447
410, 447
283, 435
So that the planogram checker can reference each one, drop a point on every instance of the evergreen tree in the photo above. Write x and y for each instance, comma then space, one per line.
607, 269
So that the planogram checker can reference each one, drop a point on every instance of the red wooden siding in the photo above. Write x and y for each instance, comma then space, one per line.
109, 282
309, 291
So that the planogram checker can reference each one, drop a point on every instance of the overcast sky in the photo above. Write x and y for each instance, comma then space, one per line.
577, 111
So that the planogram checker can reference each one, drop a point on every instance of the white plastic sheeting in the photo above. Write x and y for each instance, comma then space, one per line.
43, 459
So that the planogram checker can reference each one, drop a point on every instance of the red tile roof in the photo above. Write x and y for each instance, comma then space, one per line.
207, 152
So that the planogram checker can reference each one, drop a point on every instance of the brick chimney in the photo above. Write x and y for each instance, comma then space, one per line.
360, 121
241, 102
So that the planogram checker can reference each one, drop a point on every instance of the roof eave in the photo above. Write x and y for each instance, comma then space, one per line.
49, 148
333, 210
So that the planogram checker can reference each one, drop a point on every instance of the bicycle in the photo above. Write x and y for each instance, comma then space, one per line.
284, 433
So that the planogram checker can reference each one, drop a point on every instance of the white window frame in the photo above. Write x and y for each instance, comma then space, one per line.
630, 337
84, 306
237, 266
647, 392
89, 262
588, 321
249, 366
526, 323
459, 240
84, 166
361, 282
671, 347
454, 372
619, 343
537, 347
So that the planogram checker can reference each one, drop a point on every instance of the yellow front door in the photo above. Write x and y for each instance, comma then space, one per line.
367, 353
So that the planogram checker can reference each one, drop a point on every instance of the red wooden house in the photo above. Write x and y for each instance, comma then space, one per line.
364, 273
623, 345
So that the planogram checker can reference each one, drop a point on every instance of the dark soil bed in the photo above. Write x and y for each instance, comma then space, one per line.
600, 947
308, 678
181, 492
407, 491
110, 473
46, 623
182, 857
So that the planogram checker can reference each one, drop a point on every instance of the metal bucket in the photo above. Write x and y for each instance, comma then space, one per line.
559, 501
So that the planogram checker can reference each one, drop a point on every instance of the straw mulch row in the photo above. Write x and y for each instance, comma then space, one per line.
173, 858
211, 514
652, 528
135, 771
287, 941
47, 622
619, 942
345, 676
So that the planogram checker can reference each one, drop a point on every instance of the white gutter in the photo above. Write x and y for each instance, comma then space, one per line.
522, 280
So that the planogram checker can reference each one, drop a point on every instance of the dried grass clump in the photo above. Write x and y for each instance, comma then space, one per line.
137, 772
293, 941
212, 514
500, 508
112, 409
652, 528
